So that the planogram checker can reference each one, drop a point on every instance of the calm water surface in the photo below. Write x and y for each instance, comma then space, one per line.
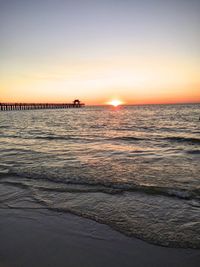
134, 168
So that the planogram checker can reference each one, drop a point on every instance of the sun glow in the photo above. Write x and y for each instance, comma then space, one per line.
115, 102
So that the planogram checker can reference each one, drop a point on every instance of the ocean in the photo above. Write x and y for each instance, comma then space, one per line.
134, 168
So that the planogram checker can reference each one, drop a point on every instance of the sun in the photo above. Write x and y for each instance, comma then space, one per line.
115, 102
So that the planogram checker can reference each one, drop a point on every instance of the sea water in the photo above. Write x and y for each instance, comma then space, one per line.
135, 168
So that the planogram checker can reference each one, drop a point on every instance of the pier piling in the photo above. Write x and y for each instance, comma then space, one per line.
29, 106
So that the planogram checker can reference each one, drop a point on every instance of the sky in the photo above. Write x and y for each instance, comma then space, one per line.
139, 52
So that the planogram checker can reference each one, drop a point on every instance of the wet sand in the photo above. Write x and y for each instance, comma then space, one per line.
40, 237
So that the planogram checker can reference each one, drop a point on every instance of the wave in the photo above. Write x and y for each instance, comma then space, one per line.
193, 152
191, 140
178, 139
127, 138
52, 137
62, 187
56, 137
49, 137
4, 126
75, 138
88, 186
118, 189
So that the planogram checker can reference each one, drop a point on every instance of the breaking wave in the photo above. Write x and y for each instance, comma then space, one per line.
86, 185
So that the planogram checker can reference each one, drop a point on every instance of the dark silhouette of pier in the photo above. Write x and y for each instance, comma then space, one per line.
29, 106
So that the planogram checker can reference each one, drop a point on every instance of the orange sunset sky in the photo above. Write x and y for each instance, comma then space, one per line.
139, 52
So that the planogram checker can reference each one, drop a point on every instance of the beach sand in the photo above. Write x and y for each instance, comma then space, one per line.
41, 237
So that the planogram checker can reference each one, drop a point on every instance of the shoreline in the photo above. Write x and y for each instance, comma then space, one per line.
18, 194
41, 237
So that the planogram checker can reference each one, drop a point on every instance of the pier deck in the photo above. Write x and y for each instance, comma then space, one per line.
30, 106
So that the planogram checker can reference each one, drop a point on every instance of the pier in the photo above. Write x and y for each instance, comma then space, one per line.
30, 106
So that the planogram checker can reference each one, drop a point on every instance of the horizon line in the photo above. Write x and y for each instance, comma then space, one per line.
124, 104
